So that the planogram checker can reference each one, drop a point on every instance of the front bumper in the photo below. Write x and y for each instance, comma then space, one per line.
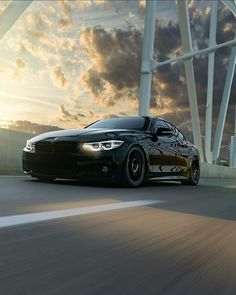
105, 165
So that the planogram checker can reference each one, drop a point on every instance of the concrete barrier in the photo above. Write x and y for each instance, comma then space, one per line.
11, 145
215, 171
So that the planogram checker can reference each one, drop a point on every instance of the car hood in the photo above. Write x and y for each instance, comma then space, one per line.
85, 134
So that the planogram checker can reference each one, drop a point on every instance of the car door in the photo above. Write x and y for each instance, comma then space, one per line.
163, 153
183, 150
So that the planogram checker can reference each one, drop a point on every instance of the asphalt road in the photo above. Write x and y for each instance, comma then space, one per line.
185, 244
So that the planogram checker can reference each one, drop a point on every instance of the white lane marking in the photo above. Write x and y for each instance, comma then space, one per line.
20, 219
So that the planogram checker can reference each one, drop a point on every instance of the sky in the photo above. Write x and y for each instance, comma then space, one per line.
66, 63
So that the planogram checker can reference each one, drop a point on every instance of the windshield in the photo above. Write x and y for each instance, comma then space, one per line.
139, 123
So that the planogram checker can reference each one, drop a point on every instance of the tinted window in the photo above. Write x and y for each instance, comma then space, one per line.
170, 127
139, 123
162, 124
176, 132
179, 135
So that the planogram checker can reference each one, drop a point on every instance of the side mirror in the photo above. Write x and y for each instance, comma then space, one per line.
164, 132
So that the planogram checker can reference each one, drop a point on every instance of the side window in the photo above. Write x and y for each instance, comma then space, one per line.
180, 137
165, 125
161, 124
177, 133
171, 127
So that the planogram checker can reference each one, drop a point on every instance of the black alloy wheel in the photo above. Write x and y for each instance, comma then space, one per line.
194, 173
134, 167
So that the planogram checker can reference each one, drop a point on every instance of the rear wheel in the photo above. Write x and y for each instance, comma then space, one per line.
134, 173
194, 173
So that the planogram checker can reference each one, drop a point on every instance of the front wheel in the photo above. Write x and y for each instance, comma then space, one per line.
194, 173
134, 170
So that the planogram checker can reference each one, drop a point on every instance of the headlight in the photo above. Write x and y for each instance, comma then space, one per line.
102, 145
30, 145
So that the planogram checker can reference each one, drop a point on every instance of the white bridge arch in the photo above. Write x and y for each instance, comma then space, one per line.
149, 66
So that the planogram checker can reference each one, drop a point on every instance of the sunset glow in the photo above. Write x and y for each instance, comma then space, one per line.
67, 63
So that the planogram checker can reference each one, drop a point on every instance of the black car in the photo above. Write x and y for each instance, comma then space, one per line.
127, 150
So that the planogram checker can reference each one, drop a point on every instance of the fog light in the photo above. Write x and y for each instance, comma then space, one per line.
105, 169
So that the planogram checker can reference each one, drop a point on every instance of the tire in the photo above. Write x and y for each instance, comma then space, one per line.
134, 168
194, 173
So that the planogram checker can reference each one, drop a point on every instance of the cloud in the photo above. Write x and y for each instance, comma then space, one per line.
79, 116
93, 82
65, 115
27, 126
66, 6
65, 24
142, 7
20, 64
36, 99
37, 25
69, 7
83, 117
115, 56
15, 71
59, 78
26, 46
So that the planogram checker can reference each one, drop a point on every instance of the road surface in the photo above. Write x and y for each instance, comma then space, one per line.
162, 238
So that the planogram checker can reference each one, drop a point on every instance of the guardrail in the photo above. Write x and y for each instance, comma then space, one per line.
216, 171
11, 144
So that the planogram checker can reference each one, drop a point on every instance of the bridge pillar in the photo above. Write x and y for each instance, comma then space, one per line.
147, 58
11, 14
